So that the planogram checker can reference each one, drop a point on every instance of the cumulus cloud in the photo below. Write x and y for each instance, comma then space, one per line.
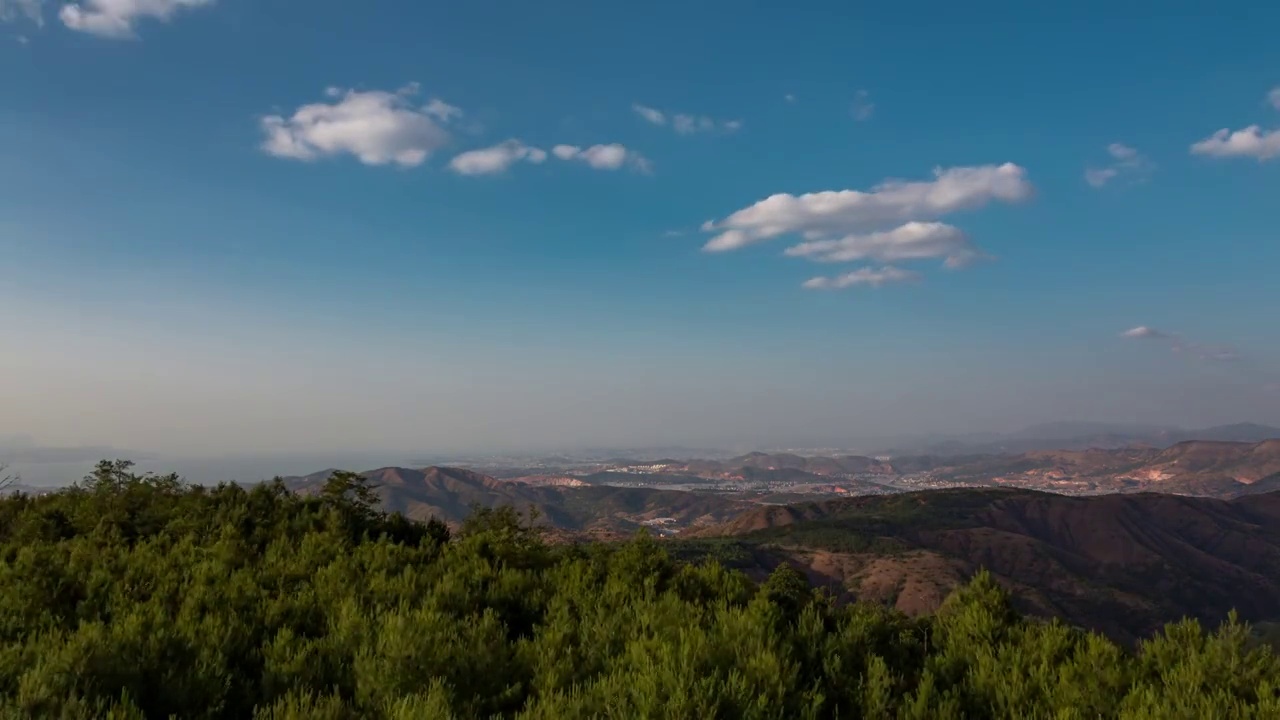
603, 157
496, 159
1180, 345
500, 157
1126, 162
893, 222
911, 241
862, 108
871, 277
1252, 142
684, 123
835, 213
31, 10
377, 127
116, 18
789, 97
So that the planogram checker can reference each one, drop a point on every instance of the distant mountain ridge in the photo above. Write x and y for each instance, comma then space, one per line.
450, 494
1196, 467
1082, 436
761, 461
1205, 467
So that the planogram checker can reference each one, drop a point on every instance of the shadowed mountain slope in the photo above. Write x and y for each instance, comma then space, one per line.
1122, 564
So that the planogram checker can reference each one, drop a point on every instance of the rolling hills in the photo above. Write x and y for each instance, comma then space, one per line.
449, 494
1194, 467
1080, 436
1211, 468
1122, 564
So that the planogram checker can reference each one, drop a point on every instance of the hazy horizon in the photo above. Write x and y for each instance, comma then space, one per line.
39, 465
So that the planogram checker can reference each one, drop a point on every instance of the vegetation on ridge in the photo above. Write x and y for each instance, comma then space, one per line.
138, 597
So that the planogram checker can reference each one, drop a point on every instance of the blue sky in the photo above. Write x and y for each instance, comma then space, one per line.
232, 226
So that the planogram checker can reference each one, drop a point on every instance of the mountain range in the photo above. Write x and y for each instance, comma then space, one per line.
1077, 436
1195, 467
450, 494
677, 495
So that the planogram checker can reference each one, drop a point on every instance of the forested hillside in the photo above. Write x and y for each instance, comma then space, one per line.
137, 597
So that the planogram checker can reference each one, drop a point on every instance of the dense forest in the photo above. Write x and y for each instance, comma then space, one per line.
136, 596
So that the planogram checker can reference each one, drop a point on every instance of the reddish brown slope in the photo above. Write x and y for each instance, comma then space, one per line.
1242, 462
1123, 564
1210, 468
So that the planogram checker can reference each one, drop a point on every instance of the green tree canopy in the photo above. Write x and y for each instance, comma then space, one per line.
137, 596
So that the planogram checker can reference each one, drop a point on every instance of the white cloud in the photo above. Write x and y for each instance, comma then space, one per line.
872, 277
496, 159
116, 18
789, 98
1100, 177
835, 213
685, 123
893, 222
1142, 331
657, 117
689, 124
603, 157
911, 241
1180, 345
1126, 162
377, 127
439, 109
31, 10
1122, 152
1252, 141
862, 108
